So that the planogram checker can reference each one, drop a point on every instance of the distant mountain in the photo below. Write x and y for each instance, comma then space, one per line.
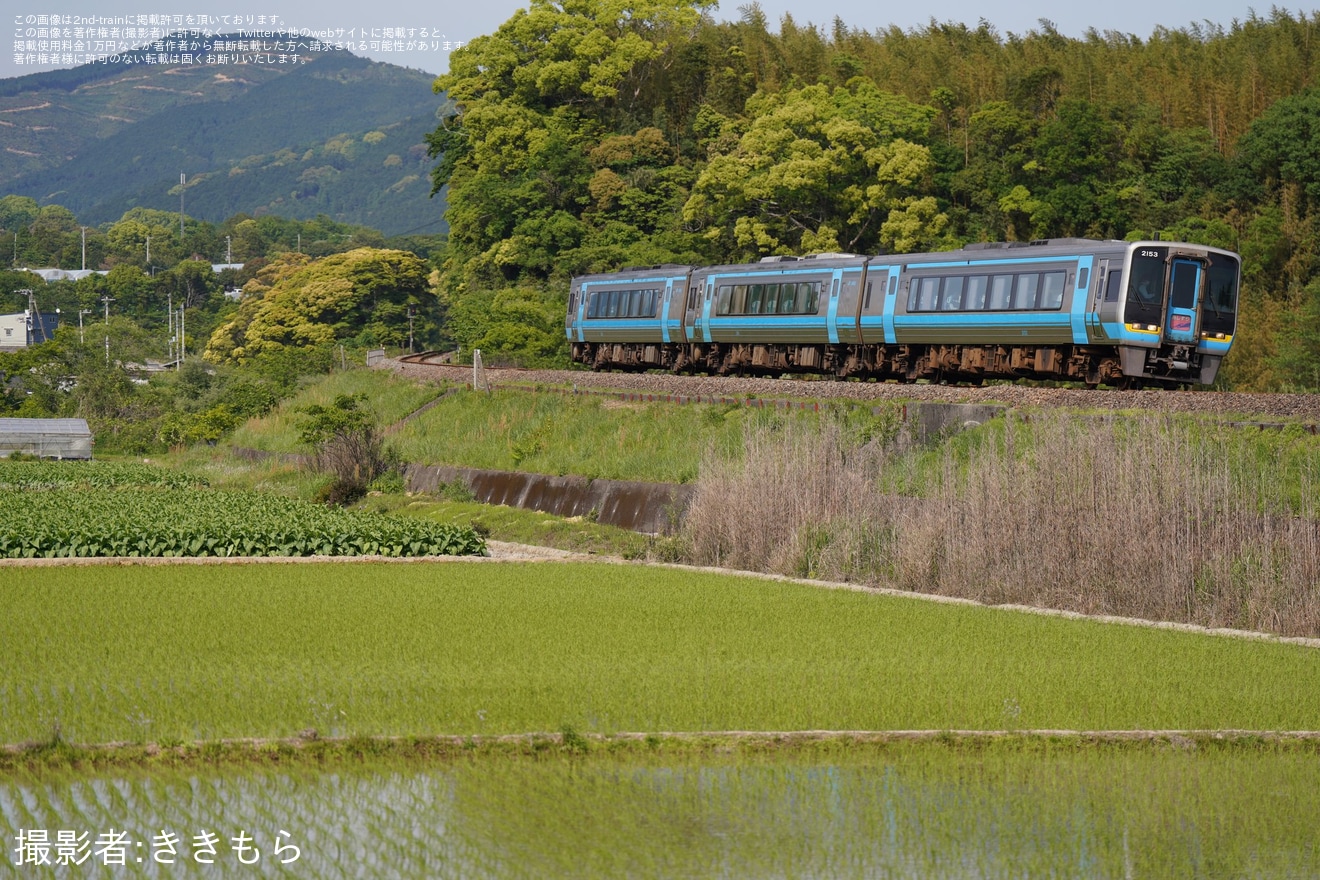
338, 135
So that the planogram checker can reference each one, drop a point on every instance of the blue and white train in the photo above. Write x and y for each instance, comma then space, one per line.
1112, 312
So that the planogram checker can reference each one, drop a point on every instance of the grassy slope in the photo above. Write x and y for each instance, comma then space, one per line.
388, 396
183, 652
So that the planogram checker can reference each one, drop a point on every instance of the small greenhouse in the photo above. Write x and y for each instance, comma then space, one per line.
47, 438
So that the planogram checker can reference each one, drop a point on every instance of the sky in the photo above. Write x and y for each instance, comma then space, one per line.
446, 25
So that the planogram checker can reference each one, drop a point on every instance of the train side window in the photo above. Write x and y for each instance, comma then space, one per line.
738, 304
788, 304
691, 298
1051, 292
754, 292
726, 294
652, 303
593, 300
866, 304
1024, 292
928, 294
974, 294
813, 296
1083, 276
951, 298
770, 299
893, 284
1001, 292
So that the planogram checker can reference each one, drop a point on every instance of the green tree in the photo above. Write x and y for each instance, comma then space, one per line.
818, 169
364, 293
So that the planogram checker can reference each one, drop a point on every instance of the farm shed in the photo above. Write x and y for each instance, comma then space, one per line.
48, 438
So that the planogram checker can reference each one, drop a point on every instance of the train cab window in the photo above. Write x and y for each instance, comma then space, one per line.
1024, 292
1222, 288
951, 298
1051, 291
975, 293
1113, 284
1001, 292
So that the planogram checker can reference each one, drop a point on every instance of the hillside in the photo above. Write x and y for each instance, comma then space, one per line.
339, 135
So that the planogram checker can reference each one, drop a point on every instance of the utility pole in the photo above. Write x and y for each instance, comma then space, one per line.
82, 312
107, 299
169, 323
84, 248
411, 311
182, 179
229, 254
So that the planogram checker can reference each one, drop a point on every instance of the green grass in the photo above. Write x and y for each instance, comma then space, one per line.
597, 437
187, 653
388, 396
519, 526
928, 810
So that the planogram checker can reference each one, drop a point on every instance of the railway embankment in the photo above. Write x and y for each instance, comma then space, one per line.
1256, 410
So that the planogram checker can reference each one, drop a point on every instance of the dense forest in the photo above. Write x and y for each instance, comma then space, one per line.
588, 135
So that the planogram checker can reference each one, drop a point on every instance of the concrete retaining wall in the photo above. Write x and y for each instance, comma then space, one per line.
642, 507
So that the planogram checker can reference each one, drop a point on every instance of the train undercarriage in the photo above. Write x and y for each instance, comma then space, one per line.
1092, 365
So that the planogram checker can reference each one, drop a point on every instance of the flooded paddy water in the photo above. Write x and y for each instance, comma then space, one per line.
919, 810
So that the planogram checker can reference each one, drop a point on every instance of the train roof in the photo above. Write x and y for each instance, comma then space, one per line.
973, 252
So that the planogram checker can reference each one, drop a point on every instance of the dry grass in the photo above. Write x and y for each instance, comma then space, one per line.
1148, 517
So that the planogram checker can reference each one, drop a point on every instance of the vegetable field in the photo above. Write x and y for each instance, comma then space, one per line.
179, 522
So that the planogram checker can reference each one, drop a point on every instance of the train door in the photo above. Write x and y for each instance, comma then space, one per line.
664, 310
691, 326
891, 304
832, 313
850, 301
577, 310
1184, 291
1083, 310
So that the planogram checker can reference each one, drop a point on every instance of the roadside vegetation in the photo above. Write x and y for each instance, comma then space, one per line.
1160, 518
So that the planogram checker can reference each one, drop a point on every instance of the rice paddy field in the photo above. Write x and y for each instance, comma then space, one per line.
120, 653
898, 812
173, 654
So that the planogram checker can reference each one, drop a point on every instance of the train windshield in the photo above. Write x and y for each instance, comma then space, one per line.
1219, 308
1145, 293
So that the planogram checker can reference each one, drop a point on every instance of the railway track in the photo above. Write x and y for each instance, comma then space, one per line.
1264, 409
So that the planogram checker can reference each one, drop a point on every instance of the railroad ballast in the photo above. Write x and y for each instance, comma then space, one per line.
1112, 312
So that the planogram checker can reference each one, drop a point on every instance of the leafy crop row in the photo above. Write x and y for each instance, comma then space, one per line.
174, 522
26, 475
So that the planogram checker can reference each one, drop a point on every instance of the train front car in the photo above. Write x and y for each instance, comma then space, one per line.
628, 320
1173, 312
